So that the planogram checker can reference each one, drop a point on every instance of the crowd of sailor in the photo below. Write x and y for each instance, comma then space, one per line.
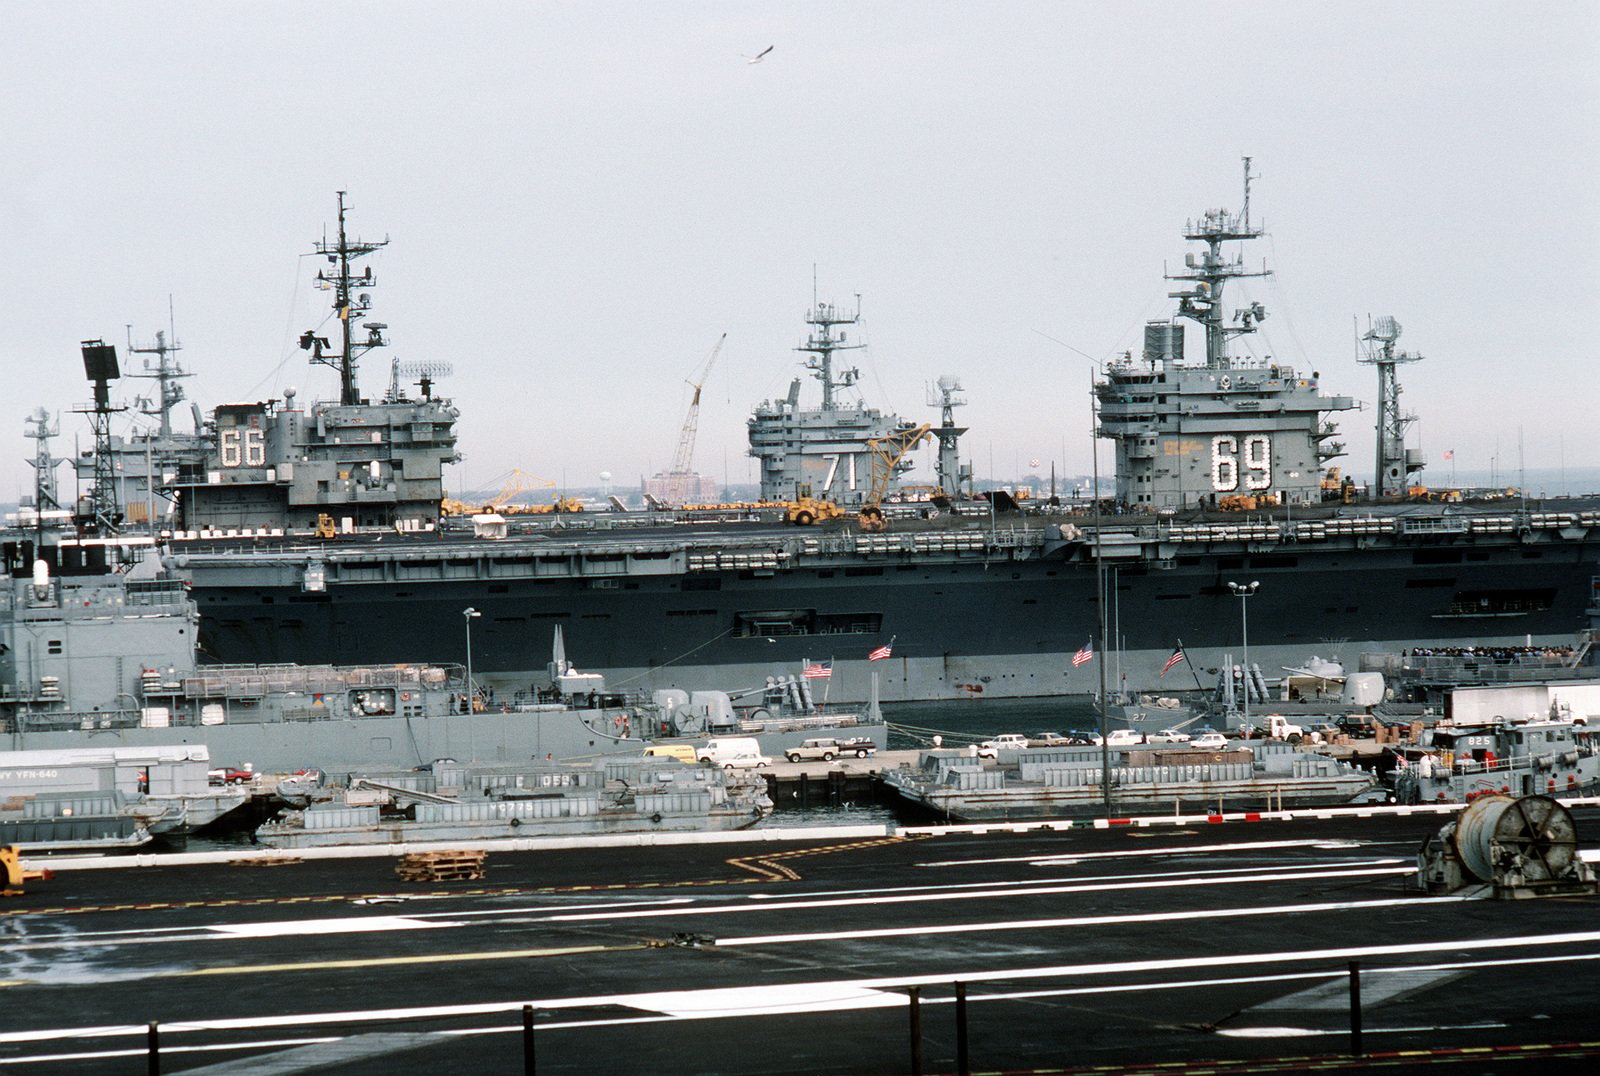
1499, 654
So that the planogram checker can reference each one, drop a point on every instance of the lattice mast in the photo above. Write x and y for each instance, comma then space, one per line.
1393, 464
166, 373
100, 365
44, 464
347, 306
1211, 272
821, 345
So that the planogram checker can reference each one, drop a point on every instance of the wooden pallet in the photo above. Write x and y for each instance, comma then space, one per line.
441, 866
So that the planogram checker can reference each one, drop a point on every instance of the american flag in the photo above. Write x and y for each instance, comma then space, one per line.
818, 670
882, 652
1177, 656
1449, 454
1086, 654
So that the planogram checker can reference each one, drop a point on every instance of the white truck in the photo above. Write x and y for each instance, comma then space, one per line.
732, 753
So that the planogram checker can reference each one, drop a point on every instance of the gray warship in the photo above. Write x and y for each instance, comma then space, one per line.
312, 533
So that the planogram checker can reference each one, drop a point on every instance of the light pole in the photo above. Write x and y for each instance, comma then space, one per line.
470, 614
1243, 591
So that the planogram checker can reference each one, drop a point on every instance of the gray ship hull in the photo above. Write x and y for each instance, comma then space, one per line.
997, 619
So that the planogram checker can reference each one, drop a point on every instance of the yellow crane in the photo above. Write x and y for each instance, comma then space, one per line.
677, 491
887, 452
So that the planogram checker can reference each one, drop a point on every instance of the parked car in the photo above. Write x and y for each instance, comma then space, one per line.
1168, 736
1006, 741
1050, 739
827, 748
1121, 738
1209, 740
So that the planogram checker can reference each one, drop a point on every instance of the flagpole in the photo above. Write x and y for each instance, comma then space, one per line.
1192, 670
1100, 581
829, 685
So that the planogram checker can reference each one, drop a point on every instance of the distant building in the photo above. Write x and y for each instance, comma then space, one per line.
691, 488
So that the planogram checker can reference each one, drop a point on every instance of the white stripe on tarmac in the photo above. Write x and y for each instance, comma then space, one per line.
947, 886
1069, 921
1177, 850
1169, 883
756, 1002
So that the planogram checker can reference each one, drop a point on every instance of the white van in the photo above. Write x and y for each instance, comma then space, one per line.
732, 752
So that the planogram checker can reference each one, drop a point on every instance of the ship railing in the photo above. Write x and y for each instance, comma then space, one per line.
255, 681
1557, 664
796, 722
72, 721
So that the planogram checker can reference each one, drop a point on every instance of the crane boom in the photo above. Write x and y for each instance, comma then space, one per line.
678, 473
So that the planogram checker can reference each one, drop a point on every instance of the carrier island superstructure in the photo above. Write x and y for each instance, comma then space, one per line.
311, 534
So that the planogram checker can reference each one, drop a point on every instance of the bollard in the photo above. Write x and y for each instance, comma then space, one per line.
915, 997
1355, 1008
153, 1040
527, 1040
963, 1068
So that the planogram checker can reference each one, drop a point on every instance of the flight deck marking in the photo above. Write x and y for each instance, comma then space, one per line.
1036, 890
399, 961
940, 978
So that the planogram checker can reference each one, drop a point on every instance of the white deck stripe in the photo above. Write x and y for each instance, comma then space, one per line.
946, 977
1050, 890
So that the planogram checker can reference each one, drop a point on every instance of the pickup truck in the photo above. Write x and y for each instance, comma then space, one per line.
828, 748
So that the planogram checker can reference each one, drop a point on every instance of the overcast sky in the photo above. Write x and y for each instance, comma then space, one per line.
583, 196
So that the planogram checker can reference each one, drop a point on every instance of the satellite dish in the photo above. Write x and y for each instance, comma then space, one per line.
605, 476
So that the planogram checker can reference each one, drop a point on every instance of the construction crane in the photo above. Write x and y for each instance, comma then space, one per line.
677, 490
518, 483
887, 452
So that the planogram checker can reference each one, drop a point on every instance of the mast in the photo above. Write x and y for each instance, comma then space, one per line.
41, 429
166, 373
1393, 463
346, 306
1211, 272
945, 394
821, 345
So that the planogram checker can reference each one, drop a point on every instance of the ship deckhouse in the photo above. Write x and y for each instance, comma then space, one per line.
1195, 433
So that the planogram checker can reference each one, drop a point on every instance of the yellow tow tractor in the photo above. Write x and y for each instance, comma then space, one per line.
805, 509
11, 866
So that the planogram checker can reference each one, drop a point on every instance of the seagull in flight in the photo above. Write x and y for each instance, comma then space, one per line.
758, 57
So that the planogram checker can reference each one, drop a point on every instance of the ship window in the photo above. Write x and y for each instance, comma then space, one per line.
691, 612
702, 582
53, 646
1532, 554
1510, 602
863, 571
1436, 556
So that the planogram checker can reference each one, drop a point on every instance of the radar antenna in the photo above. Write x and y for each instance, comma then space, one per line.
100, 365
421, 372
